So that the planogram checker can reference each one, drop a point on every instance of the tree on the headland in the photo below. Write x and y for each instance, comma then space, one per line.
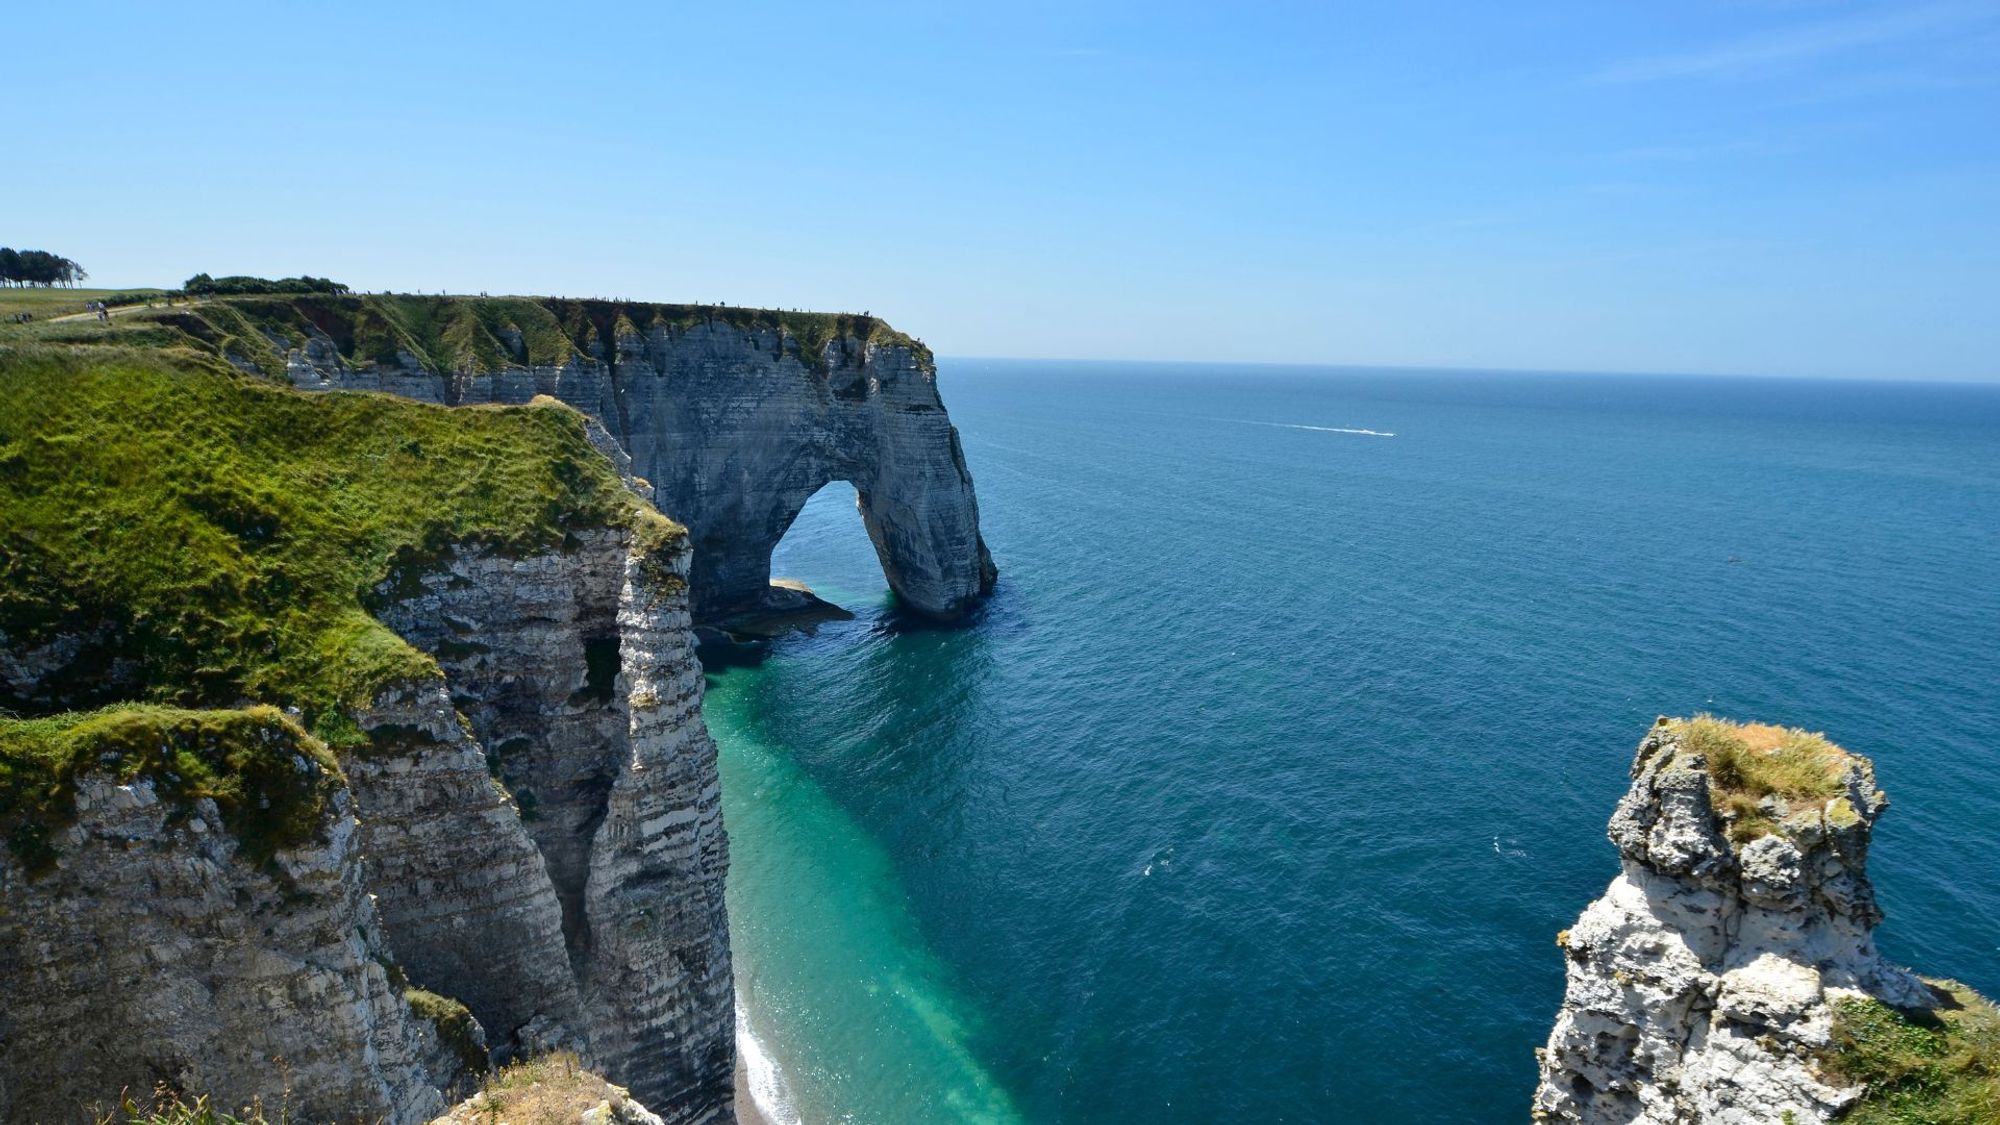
38, 267
238, 286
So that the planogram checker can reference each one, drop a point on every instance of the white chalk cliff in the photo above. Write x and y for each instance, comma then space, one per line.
1702, 985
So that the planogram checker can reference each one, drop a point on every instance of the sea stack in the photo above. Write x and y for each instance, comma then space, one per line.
1710, 982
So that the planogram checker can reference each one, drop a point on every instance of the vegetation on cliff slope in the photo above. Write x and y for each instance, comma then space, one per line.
1921, 1068
212, 539
269, 779
1748, 762
454, 1025
166, 1107
453, 334
553, 1089
177, 533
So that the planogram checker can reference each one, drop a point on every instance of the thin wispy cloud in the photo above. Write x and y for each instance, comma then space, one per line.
1773, 51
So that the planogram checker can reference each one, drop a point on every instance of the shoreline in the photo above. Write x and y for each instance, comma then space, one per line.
748, 1112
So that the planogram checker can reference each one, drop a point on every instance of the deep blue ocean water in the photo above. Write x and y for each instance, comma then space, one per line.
1261, 788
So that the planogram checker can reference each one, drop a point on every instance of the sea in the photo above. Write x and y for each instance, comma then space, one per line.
1285, 746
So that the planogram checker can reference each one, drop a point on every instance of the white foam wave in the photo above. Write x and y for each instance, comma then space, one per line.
767, 1085
1321, 429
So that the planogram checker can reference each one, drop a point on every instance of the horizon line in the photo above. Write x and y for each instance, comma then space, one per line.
1455, 369
1795, 376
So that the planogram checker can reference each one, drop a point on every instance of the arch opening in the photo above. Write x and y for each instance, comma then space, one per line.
825, 551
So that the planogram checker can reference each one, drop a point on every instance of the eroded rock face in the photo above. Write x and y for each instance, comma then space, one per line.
155, 953
539, 838
559, 867
735, 429
1700, 986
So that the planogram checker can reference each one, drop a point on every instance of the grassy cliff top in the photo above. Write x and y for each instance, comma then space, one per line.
449, 333
184, 534
43, 303
1748, 762
269, 779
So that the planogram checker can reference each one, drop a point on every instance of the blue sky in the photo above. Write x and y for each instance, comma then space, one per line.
1782, 187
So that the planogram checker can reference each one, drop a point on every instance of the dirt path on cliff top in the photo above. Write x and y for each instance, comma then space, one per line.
121, 310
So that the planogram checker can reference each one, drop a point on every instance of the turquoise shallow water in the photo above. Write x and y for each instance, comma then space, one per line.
1261, 788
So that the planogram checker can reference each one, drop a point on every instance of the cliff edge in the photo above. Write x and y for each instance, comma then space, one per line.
734, 417
1729, 974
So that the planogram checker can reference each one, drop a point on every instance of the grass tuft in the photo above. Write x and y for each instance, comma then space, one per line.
551, 1089
454, 1025
1748, 762
167, 1107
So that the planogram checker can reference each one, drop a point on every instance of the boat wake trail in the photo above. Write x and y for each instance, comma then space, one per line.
1321, 429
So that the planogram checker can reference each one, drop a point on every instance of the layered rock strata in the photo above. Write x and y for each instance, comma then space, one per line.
539, 838
1702, 985
587, 761
155, 952
735, 423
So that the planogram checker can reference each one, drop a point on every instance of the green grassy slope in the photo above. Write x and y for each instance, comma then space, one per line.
215, 540
268, 778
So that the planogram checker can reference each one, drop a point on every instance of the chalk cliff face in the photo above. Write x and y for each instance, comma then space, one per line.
539, 838
734, 419
579, 904
155, 952
520, 847
1702, 985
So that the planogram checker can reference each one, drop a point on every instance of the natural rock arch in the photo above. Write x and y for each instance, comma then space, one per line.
736, 439
736, 421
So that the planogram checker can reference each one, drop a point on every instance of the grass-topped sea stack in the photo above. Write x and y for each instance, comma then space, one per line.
1730, 973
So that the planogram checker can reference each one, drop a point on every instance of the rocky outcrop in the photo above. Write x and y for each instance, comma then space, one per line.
578, 902
155, 952
1702, 986
734, 418
554, 1089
